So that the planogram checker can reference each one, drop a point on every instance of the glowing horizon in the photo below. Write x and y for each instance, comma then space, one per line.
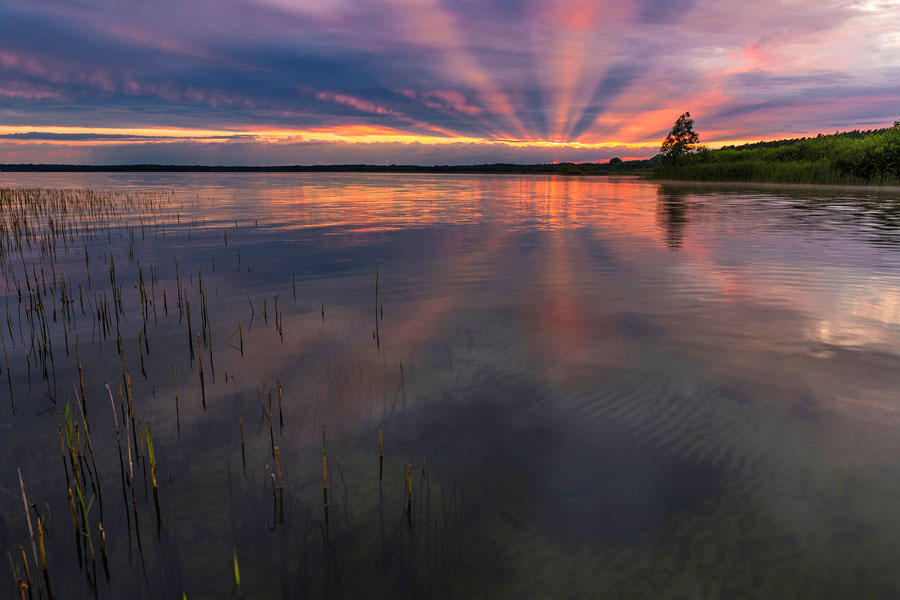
432, 81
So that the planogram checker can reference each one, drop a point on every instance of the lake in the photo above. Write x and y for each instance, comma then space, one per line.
508, 386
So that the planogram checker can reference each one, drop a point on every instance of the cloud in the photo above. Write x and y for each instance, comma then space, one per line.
489, 70
107, 137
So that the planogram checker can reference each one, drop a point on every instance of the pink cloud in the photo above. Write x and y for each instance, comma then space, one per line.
358, 104
444, 100
19, 89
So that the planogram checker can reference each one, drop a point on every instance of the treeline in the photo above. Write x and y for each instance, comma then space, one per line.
854, 157
620, 167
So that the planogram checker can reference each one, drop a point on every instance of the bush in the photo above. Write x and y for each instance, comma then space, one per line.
854, 157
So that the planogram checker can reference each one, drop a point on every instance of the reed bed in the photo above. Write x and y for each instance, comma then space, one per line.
86, 307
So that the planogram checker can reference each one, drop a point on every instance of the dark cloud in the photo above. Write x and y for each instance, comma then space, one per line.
483, 69
608, 89
99, 137
664, 11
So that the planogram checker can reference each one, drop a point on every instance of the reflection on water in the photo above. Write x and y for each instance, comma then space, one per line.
673, 213
591, 387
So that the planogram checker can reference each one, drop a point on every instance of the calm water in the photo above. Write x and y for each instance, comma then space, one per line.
592, 387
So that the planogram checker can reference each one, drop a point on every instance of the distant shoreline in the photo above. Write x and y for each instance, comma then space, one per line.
648, 170
632, 167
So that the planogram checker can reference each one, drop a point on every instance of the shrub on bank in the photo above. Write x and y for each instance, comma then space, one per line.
854, 157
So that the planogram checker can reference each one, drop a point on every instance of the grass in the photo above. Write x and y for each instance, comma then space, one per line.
849, 158
76, 268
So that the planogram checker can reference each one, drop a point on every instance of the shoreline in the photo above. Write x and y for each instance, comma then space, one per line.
490, 168
775, 184
487, 169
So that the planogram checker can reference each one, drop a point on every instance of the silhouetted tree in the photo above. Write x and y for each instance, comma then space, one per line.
681, 140
615, 161
571, 169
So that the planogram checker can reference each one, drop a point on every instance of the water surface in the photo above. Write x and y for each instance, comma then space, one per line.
593, 387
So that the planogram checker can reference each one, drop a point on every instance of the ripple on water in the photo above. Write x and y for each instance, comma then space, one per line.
577, 482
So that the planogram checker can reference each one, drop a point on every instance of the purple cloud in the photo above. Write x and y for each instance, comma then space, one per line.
519, 71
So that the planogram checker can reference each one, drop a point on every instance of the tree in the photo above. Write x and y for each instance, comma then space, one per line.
681, 140
570, 169
615, 160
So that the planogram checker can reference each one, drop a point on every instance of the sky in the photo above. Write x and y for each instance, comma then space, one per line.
275, 82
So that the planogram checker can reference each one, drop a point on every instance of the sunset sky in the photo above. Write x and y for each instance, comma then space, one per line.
266, 82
